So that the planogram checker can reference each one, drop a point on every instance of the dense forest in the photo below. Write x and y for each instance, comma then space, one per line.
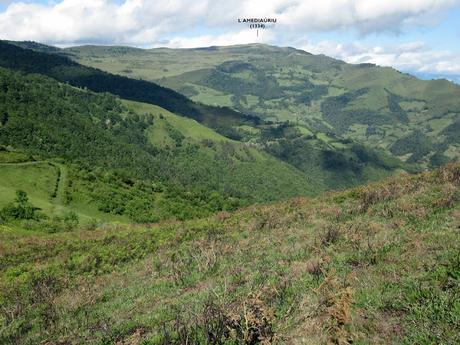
63, 69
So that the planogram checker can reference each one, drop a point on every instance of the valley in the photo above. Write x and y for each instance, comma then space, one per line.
246, 194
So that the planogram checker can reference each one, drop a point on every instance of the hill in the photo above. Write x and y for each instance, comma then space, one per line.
330, 161
376, 264
326, 161
412, 119
124, 158
37, 58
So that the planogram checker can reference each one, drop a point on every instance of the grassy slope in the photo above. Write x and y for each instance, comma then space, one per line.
430, 106
38, 179
46, 183
373, 265
191, 129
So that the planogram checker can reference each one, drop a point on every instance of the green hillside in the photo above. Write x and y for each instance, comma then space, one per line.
314, 161
39, 59
374, 105
125, 159
48, 188
377, 264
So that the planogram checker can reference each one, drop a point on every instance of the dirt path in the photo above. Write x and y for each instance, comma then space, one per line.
23, 163
60, 193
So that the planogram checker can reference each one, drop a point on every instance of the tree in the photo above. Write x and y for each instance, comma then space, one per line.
3, 118
21, 198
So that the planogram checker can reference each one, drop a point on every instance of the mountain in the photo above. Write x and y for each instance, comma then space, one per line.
320, 161
130, 213
41, 60
412, 119
377, 264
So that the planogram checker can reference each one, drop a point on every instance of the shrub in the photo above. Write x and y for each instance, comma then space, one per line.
450, 173
249, 322
67, 222
21, 208
330, 235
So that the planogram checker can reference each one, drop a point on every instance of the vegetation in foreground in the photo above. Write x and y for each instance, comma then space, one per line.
376, 264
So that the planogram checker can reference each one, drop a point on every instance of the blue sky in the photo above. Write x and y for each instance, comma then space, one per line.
417, 36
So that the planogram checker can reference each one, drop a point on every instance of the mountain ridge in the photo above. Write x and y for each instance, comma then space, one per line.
364, 102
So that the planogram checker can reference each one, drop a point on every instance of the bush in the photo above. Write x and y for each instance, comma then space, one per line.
67, 222
21, 208
249, 322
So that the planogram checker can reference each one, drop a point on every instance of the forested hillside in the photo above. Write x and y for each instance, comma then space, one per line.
65, 70
135, 159
320, 161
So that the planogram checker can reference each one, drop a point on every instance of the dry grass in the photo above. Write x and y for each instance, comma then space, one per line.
332, 270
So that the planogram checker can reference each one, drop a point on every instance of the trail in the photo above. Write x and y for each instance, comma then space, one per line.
60, 193
23, 163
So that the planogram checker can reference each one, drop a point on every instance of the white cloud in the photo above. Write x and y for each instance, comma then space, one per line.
142, 22
135, 22
192, 23
363, 15
240, 37
411, 56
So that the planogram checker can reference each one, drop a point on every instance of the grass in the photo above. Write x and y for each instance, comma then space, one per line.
38, 179
190, 128
372, 265
210, 96
158, 133
45, 182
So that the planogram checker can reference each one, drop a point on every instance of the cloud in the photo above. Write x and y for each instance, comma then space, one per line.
135, 22
410, 56
194, 23
364, 16
145, 22
240, 37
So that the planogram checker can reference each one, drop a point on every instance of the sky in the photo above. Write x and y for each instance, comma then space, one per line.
417, 36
